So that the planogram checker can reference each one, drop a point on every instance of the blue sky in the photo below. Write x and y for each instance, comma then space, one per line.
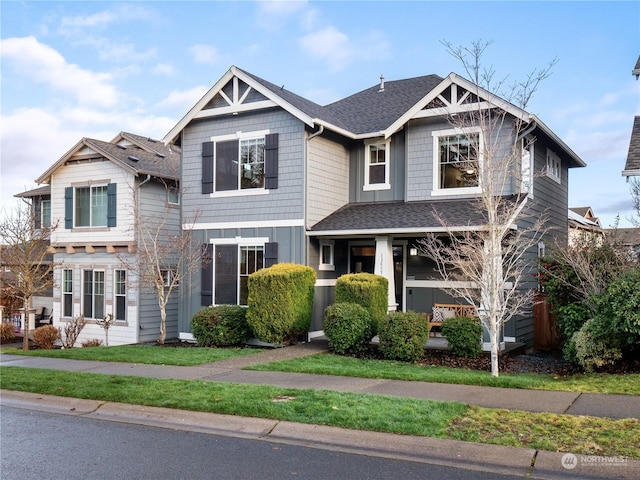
92, 69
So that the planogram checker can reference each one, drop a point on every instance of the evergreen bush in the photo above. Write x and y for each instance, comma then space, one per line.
280, 302
403, 336
596, 345
221, 326
348, 327
366, 289
464, 336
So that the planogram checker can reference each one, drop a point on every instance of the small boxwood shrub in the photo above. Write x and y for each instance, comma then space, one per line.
403, 336
280, 302
596, 345
348, 327
221, 326
464, 336
46, 337
366, 289
7, 335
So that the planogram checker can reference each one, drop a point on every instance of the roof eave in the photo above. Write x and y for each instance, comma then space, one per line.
547, 131
394, 231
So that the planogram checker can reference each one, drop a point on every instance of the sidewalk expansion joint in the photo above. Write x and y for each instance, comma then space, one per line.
572, 403
270, 431
533, 464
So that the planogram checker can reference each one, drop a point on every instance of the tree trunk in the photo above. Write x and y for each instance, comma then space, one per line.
25, 321
495, 344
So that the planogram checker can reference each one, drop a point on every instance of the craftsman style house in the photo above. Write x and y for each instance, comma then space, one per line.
350, 186
95, 194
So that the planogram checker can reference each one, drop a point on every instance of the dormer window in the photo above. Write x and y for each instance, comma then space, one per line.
376, 166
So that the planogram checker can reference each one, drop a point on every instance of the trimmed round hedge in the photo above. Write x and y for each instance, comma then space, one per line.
403, 336
221, 326
464, 336
348, 327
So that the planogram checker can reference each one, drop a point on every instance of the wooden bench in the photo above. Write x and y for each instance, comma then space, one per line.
442, 311
41, 317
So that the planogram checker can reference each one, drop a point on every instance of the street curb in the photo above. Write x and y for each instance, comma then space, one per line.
453, 453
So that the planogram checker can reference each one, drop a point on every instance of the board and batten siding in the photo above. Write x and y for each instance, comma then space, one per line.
283, 203
85, 174
327, 178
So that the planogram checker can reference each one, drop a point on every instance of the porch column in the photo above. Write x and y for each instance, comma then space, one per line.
384, 267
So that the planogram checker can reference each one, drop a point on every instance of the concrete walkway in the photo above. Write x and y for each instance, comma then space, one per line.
472, 456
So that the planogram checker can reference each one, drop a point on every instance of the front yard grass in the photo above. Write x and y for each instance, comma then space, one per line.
567, 433
146, 354
330, 364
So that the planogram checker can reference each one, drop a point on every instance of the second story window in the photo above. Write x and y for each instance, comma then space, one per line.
240, 163
553, 166
376, 166
90, 206
173, 196
46, 213
456, 161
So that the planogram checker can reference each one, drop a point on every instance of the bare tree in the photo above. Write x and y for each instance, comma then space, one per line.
26, 251
166, 253
487, 267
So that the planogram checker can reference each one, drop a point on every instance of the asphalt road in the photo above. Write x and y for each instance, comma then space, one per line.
39, 445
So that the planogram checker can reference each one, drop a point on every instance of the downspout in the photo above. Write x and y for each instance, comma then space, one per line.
531, 128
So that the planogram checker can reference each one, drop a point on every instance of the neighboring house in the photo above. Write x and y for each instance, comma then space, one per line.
346, 187
584, 226
628, 239
632, 166
97, 192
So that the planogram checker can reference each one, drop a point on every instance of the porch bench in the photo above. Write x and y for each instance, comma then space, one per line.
442, 311
41, 317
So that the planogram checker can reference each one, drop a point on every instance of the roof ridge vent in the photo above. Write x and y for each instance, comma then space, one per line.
381, 83
133, 158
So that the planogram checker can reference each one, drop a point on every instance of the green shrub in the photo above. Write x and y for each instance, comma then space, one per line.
464, 336
46, 337
348, 327
570, 318
221, 326
280, 302
620, 304
7, 335
366, 289
403, 336
596, 345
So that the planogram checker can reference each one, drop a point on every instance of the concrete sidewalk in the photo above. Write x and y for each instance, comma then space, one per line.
492, 458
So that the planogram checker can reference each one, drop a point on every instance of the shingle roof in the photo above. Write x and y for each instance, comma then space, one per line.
419, 216
633, 157
375, 109
35, 192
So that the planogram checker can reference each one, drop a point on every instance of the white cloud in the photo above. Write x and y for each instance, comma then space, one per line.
89, 21
163, 69
328, 45
204, 54
42, 64
183, 100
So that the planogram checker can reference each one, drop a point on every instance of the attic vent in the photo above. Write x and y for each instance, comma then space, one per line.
160, 155
132, 158
123, 147
149, 139
381, 83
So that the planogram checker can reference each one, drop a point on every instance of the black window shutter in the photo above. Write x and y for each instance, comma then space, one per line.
68, 207
112, 205
207, 167
270, 254
206, 280
37, 212
271, 161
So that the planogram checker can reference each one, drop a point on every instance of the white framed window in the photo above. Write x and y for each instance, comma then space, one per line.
91, 206
93, 294
67, 292
120, 294
526, 166
168, 275
46, 213
554, 169
326, 255
456, 161
239, 162
376, 165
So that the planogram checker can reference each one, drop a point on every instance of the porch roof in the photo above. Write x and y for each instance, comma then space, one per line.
402, 218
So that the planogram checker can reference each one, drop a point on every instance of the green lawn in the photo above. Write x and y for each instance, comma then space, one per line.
577, 434
329, 364
147, 354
